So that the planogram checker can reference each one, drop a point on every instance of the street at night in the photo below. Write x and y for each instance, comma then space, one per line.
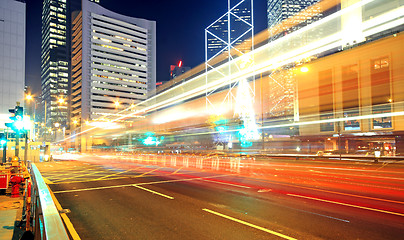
214, 119
277, 199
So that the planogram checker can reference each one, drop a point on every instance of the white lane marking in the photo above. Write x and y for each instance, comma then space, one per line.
154, 192
181, 180
132, 185
249, 224
349, 205
94, 188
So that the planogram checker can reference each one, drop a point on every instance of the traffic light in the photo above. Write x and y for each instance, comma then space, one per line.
3, 139
17, 118
19, 112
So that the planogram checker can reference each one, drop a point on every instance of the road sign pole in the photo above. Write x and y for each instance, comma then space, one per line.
4, 152
17, 143
26, 147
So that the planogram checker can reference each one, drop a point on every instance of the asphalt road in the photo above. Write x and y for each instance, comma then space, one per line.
277, 199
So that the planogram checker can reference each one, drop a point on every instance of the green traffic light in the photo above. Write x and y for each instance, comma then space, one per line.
19, 125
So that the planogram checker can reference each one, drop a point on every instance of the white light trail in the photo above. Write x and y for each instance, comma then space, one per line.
197, 86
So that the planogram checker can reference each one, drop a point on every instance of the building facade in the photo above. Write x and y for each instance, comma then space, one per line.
54, 65
12, 55
113, 62
237, 21
280, 10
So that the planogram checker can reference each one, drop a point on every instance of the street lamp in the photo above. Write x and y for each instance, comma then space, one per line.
116, 103
28, 97
304, 69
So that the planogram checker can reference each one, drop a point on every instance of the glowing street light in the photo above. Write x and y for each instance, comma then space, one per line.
28, 97
304, 69
61, 100
116, 103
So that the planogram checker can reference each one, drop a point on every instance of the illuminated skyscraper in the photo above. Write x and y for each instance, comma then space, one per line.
113, 62
282, 93
219, 37
54, 64
279, 10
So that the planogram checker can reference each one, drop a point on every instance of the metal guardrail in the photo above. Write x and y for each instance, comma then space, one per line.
47, 223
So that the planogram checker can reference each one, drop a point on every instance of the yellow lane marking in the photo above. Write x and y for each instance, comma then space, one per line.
70, 227
66, 220
47, 181
68, 173
249, 224
177, 170
149, 172
133, 185
115, 174
180, 180
91, 180
163, 195
82, 175
95, 188
349, 205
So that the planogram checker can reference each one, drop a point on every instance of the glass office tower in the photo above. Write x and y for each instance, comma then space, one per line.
54, 66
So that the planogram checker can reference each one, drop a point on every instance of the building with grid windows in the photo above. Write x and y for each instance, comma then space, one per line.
237, 21
113, 62
12, 56
279, 10
54, 66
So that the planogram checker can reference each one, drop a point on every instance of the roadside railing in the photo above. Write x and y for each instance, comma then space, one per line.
47, 223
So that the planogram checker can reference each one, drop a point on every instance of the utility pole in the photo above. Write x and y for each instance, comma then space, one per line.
17, 138
26, 147
4, 153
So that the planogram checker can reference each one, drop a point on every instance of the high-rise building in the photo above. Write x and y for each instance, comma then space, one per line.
113, 62
12, 55
283, 85
54, 64
279, 10
220, 37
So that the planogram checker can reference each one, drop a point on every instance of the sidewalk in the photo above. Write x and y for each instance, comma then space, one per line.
10, 213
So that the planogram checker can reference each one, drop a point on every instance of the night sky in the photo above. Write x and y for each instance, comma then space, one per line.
180, 30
